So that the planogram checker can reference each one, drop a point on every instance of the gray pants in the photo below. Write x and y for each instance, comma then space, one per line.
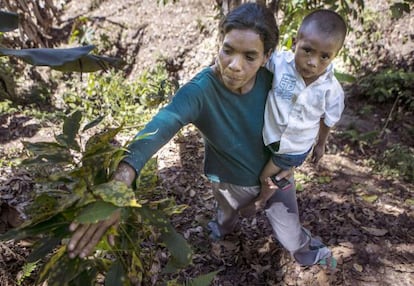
283, 215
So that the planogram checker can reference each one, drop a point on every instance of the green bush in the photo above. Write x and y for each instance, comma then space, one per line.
387, 86
398, 161
113, 96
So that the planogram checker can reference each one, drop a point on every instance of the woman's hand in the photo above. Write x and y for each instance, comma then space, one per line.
86, 236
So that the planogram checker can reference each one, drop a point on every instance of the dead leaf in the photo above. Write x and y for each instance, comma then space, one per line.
375, 231
352, 217
370, 198
358, 267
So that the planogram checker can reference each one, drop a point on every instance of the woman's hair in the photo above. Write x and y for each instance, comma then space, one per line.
255, 17
327, 22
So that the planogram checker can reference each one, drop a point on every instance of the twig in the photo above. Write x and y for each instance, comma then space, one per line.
389, 117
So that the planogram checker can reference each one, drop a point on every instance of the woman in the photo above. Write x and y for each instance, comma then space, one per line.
226, 103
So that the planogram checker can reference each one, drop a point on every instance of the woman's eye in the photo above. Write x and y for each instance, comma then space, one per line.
307, 50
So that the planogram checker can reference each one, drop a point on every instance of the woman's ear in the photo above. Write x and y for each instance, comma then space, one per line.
267, 57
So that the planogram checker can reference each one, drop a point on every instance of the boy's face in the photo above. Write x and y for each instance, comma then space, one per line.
314, 52
240, 57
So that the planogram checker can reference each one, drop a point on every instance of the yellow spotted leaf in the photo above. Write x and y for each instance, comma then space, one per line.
116, 193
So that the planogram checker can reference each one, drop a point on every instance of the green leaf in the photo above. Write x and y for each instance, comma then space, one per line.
93, 123
8, 21
27, 270
116, 193
116, 275
47, 56
39, 148
344, 77
71, 127
65, 60
181, 253
43, 248
203, 280
95, 212
32, 229
90, 63
85, 278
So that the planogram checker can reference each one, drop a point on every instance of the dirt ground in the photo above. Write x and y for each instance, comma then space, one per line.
362, 216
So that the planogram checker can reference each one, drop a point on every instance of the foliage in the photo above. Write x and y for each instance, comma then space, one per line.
27, 270
397, 161
294, 11
387, 86
77, 187
114, 96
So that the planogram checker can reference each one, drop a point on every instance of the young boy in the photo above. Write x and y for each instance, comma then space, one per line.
305, 101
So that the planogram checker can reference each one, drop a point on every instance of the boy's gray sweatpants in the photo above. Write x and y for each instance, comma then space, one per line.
283, 215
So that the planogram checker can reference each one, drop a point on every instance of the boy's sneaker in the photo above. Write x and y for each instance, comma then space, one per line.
215, 234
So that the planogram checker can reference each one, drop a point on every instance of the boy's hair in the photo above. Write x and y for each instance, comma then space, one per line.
256, 17
327, 22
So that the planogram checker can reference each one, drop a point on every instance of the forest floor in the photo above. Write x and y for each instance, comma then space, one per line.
366, 218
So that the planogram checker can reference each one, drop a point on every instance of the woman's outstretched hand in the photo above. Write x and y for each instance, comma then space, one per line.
86, 236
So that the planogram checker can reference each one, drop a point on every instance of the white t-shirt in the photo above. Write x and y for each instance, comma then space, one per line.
293, 110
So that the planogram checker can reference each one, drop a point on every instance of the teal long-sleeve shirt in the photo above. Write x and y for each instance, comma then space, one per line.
230, 123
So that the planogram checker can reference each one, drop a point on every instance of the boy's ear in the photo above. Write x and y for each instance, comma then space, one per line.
293, 44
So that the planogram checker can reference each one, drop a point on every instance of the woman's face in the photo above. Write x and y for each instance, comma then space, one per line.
240, 57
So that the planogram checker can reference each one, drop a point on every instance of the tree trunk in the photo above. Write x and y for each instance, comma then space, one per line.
36, 18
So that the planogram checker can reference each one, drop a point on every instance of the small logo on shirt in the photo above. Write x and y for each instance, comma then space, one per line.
286, 86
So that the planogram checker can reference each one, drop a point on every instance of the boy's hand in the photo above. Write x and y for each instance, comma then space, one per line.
282, 174
318, 152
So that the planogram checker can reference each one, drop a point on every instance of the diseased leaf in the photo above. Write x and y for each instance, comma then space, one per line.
39, 148
63, 269
101, 140
116, 193
63, 157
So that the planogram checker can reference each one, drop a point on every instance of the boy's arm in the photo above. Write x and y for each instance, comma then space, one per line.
319, 148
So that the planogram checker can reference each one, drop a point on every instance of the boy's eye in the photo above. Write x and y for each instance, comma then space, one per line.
307, 50
325, 57
226, 51
250, 58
